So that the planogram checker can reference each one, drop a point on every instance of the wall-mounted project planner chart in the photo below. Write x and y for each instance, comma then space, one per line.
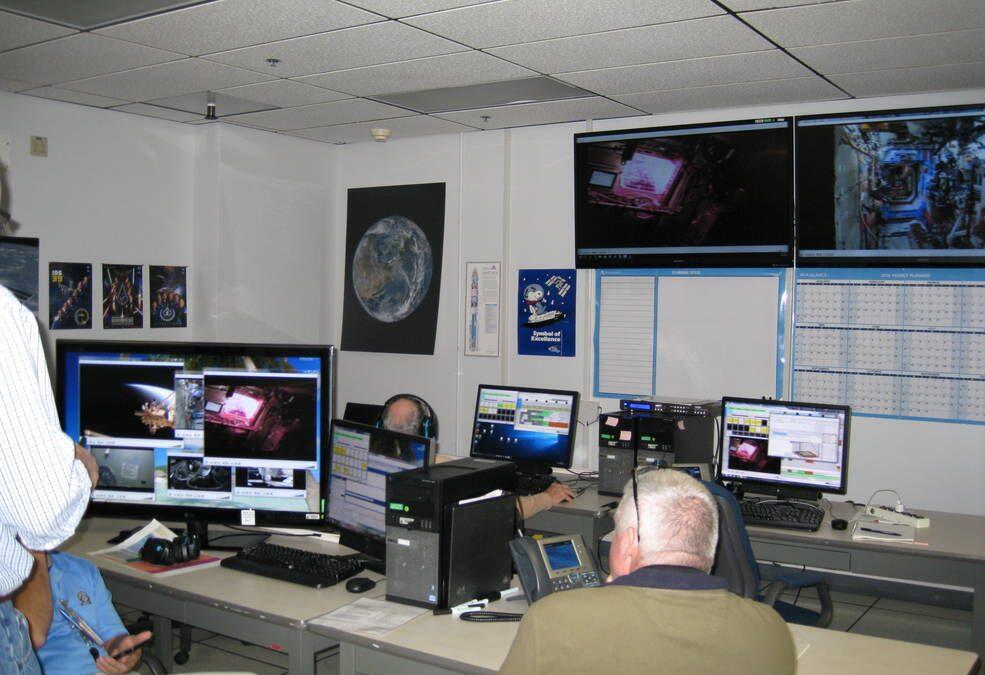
695, 333
903, 343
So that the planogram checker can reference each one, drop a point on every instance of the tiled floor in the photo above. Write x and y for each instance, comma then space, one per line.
864, 614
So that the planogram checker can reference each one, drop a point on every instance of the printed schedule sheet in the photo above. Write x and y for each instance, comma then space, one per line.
905, 343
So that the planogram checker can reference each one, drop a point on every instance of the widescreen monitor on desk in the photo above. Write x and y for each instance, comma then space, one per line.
200, 431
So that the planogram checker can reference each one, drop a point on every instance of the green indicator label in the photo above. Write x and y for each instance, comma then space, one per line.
398, 507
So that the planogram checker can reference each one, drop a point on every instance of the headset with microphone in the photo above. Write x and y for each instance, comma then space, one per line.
429, 420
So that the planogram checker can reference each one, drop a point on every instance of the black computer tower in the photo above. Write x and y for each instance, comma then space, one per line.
626, 441
440, 551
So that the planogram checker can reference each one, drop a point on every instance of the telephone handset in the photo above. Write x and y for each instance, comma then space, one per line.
553, 564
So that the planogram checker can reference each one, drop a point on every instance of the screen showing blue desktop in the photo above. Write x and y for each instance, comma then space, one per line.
525, 425
207, 426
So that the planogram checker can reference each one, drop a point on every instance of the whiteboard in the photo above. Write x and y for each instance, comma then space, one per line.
698, 334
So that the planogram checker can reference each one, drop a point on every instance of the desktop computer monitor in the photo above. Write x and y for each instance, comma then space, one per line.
199, 431
784, 448
533, 427
362, 456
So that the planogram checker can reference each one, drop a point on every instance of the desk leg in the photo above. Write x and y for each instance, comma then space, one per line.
347, 659
163, 641
978, 614
301, 655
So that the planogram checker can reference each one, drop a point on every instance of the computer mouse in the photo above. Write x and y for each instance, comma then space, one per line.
839, 524
359, 584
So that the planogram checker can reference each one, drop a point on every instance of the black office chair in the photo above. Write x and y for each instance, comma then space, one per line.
736, 563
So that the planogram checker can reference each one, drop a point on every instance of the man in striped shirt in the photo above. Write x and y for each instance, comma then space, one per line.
45, 479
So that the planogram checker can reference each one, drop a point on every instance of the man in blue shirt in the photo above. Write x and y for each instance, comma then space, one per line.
78, 584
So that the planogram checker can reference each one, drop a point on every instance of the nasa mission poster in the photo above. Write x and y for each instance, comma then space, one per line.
393, 248
168, 296
123, 296
546, 313
69, 295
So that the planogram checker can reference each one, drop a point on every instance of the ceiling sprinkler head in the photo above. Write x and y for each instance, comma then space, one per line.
379, 134
485, 118
273, 62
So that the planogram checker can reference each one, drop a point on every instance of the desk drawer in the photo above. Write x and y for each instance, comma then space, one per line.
796, 554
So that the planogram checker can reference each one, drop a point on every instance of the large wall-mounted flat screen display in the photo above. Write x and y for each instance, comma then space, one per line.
891, 188
686, 196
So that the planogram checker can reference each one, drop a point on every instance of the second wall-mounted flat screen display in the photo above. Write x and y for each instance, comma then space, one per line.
686, 196
900, 187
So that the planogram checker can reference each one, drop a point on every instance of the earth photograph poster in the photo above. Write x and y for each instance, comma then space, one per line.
393, 250
69, 295
546, 313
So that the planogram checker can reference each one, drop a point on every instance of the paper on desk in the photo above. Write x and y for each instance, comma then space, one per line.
375, 617
127, 552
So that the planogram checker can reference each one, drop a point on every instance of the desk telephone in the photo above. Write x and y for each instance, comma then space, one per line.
553, 564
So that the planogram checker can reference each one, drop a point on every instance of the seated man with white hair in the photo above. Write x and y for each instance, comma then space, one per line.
661, 610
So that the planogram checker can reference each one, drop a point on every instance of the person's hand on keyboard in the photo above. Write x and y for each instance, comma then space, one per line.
559, 492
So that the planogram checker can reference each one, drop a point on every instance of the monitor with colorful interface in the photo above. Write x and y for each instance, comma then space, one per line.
532, 427
197, 430
770, 445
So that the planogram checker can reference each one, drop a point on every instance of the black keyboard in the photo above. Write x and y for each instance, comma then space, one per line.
317, 570
782, 514
532, 484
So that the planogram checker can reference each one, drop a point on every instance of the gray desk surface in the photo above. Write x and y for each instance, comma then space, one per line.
950, 535
277, 601
445, 642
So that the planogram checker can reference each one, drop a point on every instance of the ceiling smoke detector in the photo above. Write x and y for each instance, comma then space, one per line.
379, 134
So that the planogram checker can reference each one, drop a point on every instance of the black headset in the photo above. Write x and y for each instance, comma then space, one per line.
178, 550
429, 419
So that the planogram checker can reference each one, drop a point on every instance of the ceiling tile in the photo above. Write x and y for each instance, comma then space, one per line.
349, 48
489, 95
18, 31
89, 14
650, 44
401, 127
907, 80
168, 79
935, 49
15, 85
731, 95
161, 113
515, 21
771, 65
57, 94
866, 19
450, 70
284, 93
402, 8
77, 57
229, 24
540, 113
197, 102
321, 114
747, 5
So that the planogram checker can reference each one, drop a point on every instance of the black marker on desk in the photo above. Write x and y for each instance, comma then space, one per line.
891, 534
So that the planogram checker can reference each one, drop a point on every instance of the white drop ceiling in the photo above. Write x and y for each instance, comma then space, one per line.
322, 69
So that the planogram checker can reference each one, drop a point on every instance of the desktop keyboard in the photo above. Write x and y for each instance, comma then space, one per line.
317, 570
531, 484
790, 515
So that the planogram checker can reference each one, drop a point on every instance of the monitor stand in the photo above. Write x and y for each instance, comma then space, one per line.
781, 493
532, 477
371, 553
231, 541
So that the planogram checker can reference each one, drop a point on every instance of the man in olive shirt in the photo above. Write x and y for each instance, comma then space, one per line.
661, 611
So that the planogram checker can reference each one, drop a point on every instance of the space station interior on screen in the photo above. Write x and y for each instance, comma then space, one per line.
174, 431
909, 181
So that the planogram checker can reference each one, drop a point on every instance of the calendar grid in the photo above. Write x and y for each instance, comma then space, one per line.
891, 343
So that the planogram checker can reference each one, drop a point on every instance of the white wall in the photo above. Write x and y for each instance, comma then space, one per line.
260, 220
113, 189
510, 198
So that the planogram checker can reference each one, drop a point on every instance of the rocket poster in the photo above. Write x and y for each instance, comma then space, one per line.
69, 295
482, 308
546, 313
